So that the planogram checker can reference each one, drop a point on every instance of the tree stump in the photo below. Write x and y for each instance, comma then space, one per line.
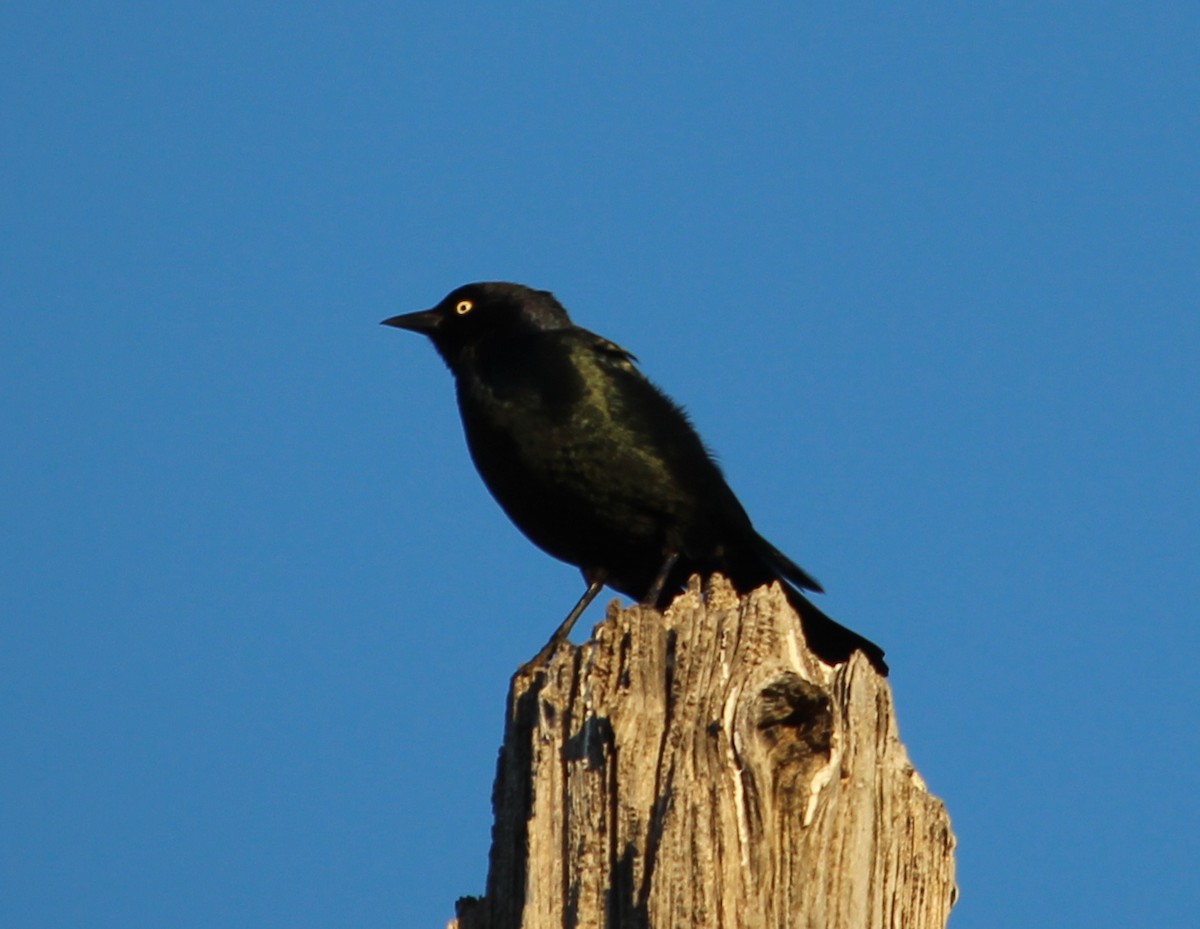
703, 769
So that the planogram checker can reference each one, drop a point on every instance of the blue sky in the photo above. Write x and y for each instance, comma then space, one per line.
926, 278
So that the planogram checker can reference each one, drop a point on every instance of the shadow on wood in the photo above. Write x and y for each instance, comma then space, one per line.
703, 769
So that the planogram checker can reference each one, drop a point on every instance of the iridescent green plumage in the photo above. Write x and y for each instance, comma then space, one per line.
595, 464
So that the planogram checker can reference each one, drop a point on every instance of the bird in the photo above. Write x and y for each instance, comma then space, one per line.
597, 466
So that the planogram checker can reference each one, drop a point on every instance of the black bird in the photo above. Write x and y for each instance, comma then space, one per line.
596, 465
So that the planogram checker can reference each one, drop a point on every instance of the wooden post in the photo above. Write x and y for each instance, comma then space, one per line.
704, 769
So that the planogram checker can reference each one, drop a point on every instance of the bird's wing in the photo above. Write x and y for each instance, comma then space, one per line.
665, 426
786, 567
656, 424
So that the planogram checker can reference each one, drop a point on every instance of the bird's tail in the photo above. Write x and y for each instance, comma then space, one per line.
830, 641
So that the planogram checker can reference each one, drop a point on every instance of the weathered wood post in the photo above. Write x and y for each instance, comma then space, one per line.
704, 769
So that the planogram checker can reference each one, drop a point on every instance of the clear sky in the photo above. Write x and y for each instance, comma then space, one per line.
926, 276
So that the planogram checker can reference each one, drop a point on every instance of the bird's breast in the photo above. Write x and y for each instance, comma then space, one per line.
562, 457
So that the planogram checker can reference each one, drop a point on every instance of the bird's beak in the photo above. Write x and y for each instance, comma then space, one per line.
424, 321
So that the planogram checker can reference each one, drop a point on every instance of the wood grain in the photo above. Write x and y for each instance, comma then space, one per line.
703, 769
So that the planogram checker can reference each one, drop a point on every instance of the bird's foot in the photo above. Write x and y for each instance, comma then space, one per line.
539, 661
595, 585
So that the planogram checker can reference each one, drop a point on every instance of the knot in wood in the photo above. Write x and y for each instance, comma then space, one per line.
795, 713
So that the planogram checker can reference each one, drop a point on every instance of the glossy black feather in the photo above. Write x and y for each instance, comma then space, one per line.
595, 464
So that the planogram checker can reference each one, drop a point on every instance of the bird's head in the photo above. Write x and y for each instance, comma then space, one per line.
473, 312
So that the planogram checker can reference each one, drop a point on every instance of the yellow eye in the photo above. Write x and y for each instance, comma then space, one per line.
464, 307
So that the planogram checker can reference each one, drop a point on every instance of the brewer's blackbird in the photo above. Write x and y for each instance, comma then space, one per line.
596, 465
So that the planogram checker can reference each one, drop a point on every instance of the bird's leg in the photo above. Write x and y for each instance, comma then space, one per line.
595, 578
656, 589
